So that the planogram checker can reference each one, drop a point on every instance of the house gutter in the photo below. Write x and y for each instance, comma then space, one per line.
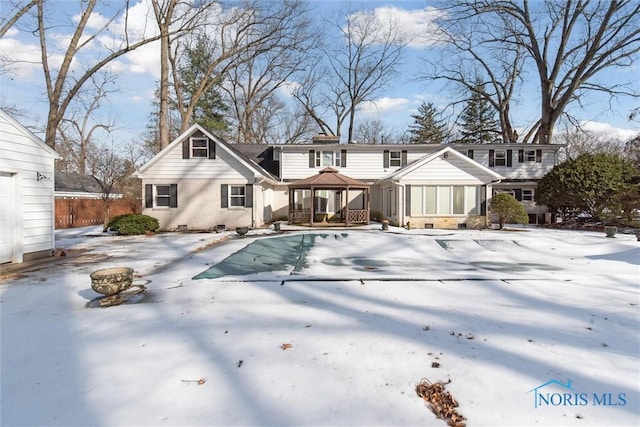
256, 182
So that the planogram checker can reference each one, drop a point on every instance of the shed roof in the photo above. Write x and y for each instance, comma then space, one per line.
75, 182
329, 178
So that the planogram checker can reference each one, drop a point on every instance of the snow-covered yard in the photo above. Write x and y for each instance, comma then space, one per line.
531, 327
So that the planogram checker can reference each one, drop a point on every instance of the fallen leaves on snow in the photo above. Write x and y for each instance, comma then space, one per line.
441, 402
199, 382
286, 346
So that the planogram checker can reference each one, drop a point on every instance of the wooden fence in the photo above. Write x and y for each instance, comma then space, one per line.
72, 213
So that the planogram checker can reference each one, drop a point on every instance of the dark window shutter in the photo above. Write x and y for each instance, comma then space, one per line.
407, 207
224, 196
173, 196
185, 148
538, 156
248, 196
148, 196
518, 194
509, 158
312, 158
212, 149
492, 158
404, 157
470, 154
385, 161
343, 158
520, 156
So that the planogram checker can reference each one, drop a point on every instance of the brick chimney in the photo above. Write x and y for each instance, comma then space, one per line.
323, 138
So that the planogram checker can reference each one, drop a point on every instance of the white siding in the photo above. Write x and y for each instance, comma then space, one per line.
363, 163
24, 157
367, 162
172, 166
199, 182
524, 170
447, 171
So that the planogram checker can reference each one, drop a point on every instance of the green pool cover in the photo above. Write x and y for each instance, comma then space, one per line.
264, 255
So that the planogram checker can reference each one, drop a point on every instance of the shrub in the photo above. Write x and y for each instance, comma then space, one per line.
508, 209
131, 224
592, 184
112, 222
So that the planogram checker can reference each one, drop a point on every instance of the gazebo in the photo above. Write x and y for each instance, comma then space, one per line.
329, 197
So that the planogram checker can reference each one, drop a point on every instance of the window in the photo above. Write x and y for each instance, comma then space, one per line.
458, 200
527, 195
327, 158
395, 158
443, 200
200, 148
502, 158
161, 195
236, 195
529, 155
318, 158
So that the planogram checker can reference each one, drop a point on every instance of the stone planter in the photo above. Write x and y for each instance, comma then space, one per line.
385, 224
111, 281
242, 230
610, 231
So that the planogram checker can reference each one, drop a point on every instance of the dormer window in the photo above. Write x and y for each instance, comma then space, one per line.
200, 148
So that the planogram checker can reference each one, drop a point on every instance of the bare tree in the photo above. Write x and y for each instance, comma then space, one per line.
372, 131
578, 141
7, 21
169, 15
76, 131
249, 51
252, 84
111, 170
65, 79
360, 61
471, 62
569, 42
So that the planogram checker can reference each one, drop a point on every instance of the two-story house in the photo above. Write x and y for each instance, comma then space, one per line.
201, 182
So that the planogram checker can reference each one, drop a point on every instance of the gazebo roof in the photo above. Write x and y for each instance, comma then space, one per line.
329, 178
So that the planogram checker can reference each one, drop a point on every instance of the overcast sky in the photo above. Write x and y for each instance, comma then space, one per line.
22, 84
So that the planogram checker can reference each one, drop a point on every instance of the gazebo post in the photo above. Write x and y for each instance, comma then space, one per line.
368, 204
346, 208
313, 205
291, 198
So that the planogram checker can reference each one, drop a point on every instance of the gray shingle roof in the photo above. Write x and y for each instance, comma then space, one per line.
75, 182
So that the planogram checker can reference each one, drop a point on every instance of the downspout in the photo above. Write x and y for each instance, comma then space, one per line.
255, 199
399, 197
487, 198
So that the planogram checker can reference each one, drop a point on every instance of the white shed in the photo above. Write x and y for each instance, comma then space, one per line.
27, 217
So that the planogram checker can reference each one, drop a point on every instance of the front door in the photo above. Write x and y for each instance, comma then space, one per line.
7, 216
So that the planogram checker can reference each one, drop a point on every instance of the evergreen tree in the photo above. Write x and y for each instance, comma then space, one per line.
210, 110
478, 119
427, 127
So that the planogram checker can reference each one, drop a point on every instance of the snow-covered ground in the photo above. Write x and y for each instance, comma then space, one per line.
530, 326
